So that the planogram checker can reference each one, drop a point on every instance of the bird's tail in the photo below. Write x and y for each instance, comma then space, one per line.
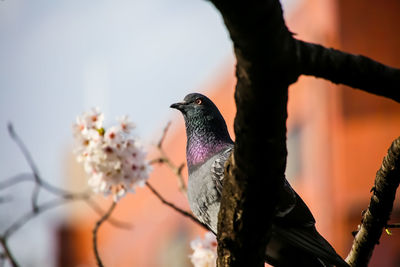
310, 241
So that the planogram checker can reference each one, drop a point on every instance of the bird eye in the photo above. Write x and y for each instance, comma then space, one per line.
198, 101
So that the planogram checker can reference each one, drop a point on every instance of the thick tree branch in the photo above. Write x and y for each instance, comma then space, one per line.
264, 49
376, 217
392, 225
353, 70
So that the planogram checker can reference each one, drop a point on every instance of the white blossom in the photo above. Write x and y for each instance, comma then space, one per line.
114, 136
93, 119
125, 124
204, 251
114, 161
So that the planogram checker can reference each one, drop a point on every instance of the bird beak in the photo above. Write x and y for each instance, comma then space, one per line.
179, 106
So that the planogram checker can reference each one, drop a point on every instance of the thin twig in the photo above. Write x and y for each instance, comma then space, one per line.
28, 177
164, 159
116, 223
7, 252
178, 172
32, 165
64, 199
30, 215
161, 141
24, 150
24, 177
181, 211
25, 218
35, 197
3, 259
96, 229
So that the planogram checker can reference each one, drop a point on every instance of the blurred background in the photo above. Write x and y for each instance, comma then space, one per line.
60, 58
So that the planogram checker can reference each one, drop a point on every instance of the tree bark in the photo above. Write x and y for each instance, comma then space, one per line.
259, 159
377, 215
356, 71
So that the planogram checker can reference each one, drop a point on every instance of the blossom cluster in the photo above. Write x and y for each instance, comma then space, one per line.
204, 251
113, 159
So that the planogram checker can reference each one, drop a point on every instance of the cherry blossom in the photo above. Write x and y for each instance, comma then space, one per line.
125, 124
204, 251
114, 161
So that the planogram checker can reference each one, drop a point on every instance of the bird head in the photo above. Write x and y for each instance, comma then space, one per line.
196, 105
202, 116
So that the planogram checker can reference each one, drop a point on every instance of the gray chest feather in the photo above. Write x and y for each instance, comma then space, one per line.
204, 194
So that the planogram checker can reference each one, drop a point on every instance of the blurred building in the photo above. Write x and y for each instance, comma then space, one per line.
337, 137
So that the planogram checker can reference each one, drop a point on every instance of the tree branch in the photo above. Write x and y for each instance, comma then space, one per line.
393, 225
24, 151
377, 215
26, 217
265, 52
356, 71
181, 211
165, 159
96, 229
24, 177
177, 170
7, 253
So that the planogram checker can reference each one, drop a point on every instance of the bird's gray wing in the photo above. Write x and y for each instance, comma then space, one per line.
218, 167
288, 205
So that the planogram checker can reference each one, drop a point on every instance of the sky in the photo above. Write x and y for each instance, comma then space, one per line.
60, 58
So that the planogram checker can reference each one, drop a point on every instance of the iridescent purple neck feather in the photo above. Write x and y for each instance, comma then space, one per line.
198, 151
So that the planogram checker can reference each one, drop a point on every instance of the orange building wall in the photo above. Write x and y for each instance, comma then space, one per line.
313, 109
369, 123
346, 132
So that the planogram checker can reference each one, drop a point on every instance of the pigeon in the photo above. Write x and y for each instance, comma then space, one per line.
294, 239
